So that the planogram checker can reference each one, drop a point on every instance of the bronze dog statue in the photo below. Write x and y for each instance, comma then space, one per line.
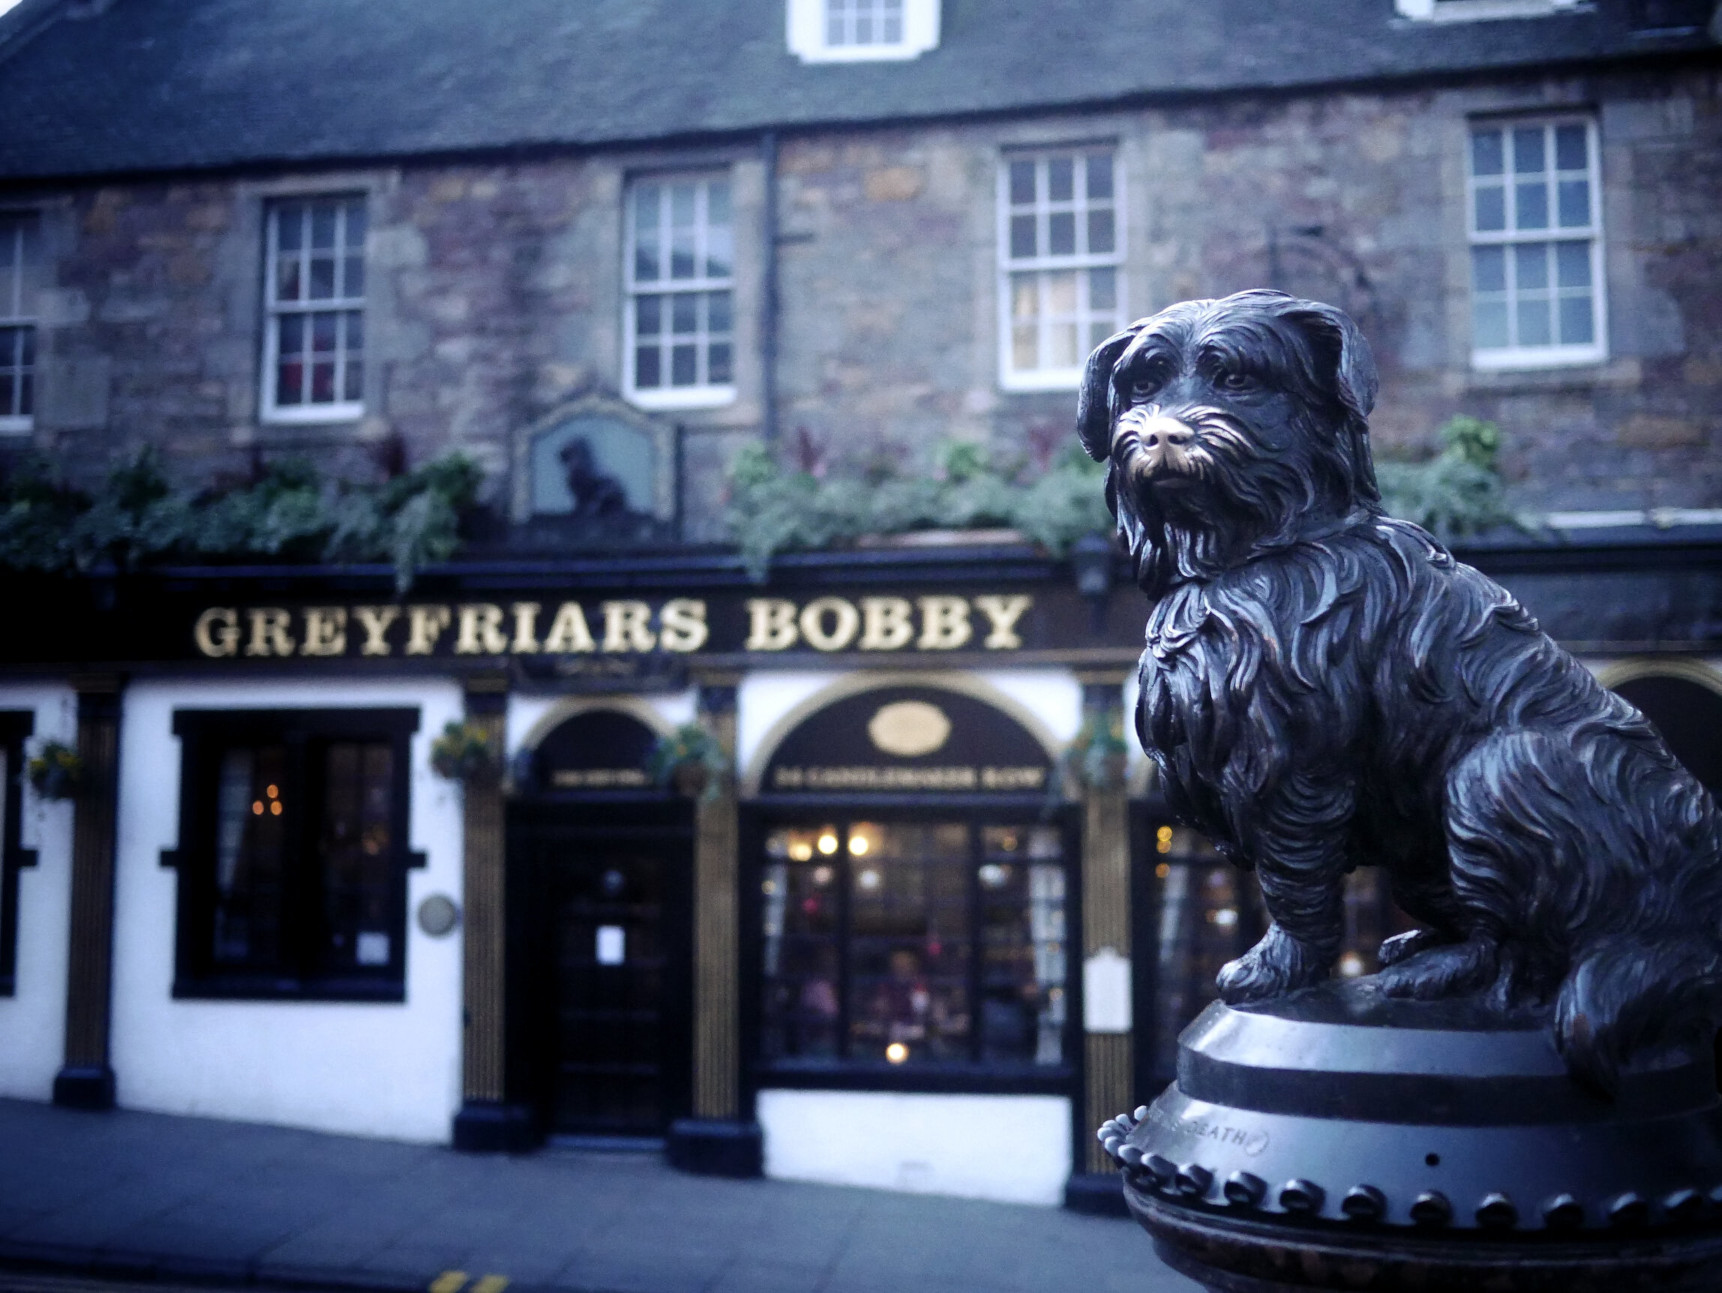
1325, 688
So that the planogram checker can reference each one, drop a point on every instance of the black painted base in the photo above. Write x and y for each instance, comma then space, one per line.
714, 1147
84, 1088
1099, 1194
494, 1127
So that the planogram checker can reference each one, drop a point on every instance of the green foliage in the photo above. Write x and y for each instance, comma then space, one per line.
289, 514
691, 760
56, 771
1097, 758
464, 752
775, 510
1459, 490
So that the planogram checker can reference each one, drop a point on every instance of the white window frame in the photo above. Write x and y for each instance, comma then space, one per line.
1052, 379
274, 310
1478, 10
808, 32
706, 394
1513, 356
23, 230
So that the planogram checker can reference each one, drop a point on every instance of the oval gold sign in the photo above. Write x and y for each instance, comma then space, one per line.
909, 728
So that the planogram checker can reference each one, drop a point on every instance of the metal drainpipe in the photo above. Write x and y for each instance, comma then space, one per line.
768, 313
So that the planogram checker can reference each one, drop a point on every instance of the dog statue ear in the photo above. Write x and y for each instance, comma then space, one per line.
1354, 378
1094, 401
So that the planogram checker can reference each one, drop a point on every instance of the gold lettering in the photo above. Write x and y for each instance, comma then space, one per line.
425, 624
269, 632
885, 623
682, 625
845, 624
568, 631
525, 628
376, 621
217, 631
1003, 613
770, 624
325, 631
627, 626
481, 630
944, 623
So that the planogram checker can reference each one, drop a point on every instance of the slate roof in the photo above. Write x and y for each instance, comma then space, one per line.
89, 87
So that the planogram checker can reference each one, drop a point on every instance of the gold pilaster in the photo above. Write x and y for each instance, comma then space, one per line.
484, 924
717, 998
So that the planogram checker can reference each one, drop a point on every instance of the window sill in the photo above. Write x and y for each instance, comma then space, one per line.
1062, 379
1575, 376
17, 425
981, 1079
1536, 358
688, 397
258, 988
315, 414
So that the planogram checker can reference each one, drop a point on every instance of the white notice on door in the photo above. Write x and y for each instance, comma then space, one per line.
612, 944
1106, 992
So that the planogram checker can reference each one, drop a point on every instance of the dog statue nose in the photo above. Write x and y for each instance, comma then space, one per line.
1172, 436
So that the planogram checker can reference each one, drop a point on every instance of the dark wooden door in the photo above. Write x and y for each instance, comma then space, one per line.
612, 973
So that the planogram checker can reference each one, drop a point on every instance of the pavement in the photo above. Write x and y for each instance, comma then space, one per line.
147, 1197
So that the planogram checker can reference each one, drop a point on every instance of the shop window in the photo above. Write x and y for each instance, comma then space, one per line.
680, 308
293, 853
1535, 224
14, 727
20, 269
1061, 253
1195, 911
904, 946
314, 302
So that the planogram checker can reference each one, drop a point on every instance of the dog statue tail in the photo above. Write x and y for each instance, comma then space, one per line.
1636, 992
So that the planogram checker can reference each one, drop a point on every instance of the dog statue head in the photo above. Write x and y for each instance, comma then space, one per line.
1230, 427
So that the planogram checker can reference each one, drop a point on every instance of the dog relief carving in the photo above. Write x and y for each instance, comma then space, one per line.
1324, 687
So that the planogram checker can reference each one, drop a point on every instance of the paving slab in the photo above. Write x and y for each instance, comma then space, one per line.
160, 1197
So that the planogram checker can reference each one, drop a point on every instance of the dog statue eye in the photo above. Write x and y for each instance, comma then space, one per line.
1232, 379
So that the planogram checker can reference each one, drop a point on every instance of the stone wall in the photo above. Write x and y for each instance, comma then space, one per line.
495, 293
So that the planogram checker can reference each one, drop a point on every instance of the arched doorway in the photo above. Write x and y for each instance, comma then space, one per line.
600, 897
1685, 702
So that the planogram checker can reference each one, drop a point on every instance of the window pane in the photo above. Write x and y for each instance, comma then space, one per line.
1577, 327
909, 943
1099, 177
323, 225
1572, 264
323, 383
1489, 325
289, 230
288, 285
353, 276
322, 278
1063, 346
683, 371
8, 392
1061, 234
354, 382
289, 383
1099, 232
1489, 269
1022, 184
1491, 211
323, 331
354, 854
1097, 333
355, 232
648, 315
1533, 319
1528, 150
718, 363
26, 389
250, 838
1061, 293
646, 200
1024, 295
1023, 357
1573, 199
1021, 237
1532, 206
1103, 292
1531, 267
684, 309
718, 312
1486, 152
1571, 153
353, 339
802, 893
1060, 179
1022, 945
647, 371
719, 251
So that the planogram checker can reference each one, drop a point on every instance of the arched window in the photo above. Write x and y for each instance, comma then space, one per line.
1688, 713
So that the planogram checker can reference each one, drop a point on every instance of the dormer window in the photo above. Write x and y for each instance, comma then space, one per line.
835, 31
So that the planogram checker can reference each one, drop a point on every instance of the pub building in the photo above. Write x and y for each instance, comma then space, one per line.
896, 929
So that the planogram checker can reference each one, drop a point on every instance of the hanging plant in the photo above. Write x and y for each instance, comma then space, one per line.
56, 772
1098, 758
464, 752
691, 761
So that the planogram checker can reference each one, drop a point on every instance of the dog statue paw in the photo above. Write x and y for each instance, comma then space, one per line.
1320, 677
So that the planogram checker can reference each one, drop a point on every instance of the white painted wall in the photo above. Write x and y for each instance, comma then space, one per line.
1013, 1148
376, 1069
33, 1019
531, 718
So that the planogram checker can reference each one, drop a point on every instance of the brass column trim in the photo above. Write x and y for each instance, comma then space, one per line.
484, 924
87, 1079
717, 996
1108, 1057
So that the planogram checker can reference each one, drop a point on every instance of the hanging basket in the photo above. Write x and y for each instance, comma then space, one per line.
56, 772
464, 753
690, 761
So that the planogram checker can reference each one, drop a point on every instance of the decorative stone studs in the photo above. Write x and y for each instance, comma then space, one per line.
1563, 1212
1301, 1197
1163, 1170
1496, 1212
1243, 1190
1686, 1207
1364, 1203
1193, 1181
1627, 1211
1431, 1208
1131, 1156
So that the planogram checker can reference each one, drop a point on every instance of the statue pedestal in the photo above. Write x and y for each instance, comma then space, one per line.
1341, 1140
